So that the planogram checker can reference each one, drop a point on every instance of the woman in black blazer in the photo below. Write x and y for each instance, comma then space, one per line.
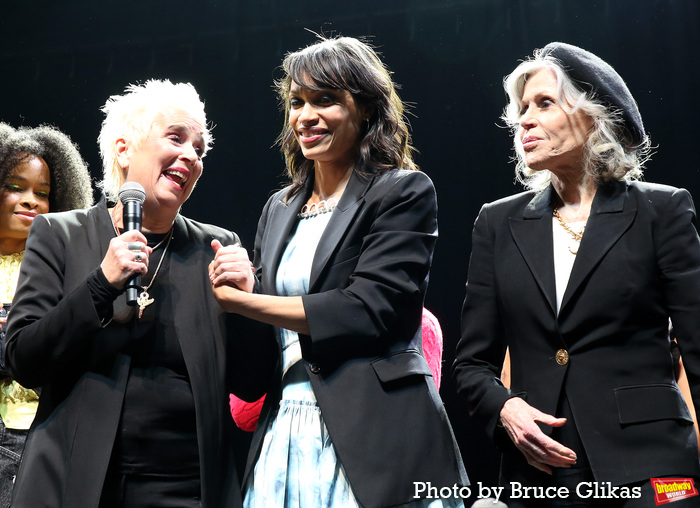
134, 403
342, 255
578, 277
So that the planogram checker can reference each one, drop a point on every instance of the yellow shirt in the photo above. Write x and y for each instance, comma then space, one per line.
18, 405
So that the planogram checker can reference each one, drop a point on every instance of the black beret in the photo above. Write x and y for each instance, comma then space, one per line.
594, 75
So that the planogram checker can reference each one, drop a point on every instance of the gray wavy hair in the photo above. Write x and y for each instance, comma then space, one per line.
608, 153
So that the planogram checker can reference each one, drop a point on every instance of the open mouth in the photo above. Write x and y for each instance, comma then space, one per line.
177, 176
312, 135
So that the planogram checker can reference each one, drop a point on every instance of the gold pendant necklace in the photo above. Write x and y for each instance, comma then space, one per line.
144, 299
573, 246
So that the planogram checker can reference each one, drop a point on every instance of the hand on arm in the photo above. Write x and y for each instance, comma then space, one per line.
232, 267
232, 282
519, 419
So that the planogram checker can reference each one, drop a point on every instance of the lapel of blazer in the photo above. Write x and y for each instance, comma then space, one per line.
103, 225
106, 389
190, 313
282, 218
532, 233
607, 222
188, 310
339, 222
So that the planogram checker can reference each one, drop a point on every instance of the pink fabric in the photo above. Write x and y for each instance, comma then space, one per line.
432, 345
246, 414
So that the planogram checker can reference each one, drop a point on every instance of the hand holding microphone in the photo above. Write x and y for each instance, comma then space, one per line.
127, 257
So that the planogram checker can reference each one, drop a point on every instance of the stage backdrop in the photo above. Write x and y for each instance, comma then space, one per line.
59, 61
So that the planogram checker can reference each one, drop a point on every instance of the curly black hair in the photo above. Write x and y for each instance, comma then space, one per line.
70, 181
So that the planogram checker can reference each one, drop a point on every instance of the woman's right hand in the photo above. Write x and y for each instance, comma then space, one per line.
127, 255
541, 451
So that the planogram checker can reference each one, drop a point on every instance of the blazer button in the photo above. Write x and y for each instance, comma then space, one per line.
315, 368
562, 357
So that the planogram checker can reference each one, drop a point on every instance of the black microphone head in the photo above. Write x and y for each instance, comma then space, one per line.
132, 191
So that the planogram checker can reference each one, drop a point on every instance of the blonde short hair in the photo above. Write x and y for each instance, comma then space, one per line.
131, 115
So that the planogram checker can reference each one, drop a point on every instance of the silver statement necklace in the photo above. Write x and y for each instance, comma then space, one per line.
144, 299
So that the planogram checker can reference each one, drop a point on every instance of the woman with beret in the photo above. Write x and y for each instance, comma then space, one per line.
578, 278
41, 170
352, 417
133, 409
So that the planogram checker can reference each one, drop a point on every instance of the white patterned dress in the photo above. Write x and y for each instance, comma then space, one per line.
298, 466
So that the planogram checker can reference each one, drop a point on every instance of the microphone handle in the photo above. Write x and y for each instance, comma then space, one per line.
132, 221
133, 287
132, 215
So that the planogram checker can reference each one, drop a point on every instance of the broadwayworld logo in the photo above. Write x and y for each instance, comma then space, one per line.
668, 490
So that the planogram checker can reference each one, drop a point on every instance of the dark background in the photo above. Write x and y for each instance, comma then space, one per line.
59, 61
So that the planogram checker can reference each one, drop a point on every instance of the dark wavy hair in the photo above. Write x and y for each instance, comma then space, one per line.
70, 180
346, 63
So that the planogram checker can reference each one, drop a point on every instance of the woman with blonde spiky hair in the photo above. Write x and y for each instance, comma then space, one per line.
134, 391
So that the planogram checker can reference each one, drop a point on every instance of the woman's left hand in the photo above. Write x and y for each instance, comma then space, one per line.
233, 282
231, 267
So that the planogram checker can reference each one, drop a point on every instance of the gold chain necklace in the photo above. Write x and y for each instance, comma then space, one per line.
576, 236
144, 299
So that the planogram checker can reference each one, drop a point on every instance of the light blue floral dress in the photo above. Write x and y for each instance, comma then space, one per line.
298, 466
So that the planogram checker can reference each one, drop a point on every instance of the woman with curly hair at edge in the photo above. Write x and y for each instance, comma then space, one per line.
41, 170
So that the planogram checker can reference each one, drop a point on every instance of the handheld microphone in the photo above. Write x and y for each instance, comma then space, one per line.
132, 195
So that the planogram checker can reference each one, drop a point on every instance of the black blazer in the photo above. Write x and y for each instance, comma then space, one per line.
638, 265
56, 341
363, 355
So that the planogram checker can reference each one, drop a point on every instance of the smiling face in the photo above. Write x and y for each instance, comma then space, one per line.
167, 162
326, 124
551, 138
24, 196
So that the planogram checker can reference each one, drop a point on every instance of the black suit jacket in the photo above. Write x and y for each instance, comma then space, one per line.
57, 341
363, 355
638, 265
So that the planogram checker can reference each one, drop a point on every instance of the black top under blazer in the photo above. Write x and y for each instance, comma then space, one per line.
57, 341
363, 355
638, 264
